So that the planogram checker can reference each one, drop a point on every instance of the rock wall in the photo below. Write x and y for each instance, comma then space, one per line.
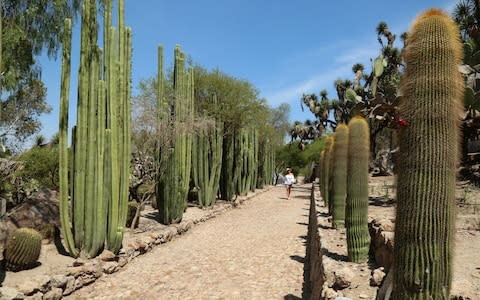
83, 272
314, 273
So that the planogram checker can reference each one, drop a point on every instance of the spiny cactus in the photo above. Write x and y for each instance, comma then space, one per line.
432, 88
326, 174
356, 219
23, 249
339, 176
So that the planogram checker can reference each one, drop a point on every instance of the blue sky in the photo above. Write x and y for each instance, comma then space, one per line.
284, 48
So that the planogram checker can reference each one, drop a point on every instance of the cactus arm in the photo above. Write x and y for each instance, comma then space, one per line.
63, 141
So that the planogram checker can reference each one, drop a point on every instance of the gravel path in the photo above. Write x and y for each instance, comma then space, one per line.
255, 251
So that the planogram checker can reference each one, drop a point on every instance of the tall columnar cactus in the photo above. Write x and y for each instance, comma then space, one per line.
432, 88
23, 249
339, 186
320, 174
227, 176
100, 150
176, 143
356, 219
326, 174
207, 161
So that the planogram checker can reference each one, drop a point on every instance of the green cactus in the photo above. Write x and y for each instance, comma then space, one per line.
339, 176
100, 151
326, 174
176, 145
227, 176
356, 219
23, 249
207, 160
432, 89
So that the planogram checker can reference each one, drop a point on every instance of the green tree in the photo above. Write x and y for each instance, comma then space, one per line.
41, 164
28, 27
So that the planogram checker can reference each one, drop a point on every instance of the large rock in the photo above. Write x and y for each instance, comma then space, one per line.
382, 236
38, 211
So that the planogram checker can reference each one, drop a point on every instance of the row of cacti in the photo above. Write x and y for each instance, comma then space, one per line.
432, 99
344, 184
245, 160
99, 162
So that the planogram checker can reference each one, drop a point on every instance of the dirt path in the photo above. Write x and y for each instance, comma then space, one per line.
253, 252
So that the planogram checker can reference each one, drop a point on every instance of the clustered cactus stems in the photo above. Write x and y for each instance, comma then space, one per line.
266, 163
23, 249
100, 150
339, 176
207, 160
432, 88
356, 219
176, 145
247, 165
227, 175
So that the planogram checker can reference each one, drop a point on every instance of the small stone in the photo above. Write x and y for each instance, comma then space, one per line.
148, 241
79, 262
122, 261
35, 284
343, 278
363, 296
53, 294
110, 267
58, 281
377, 277
70, 286
75, 271
9, 293
107, 255
328, 293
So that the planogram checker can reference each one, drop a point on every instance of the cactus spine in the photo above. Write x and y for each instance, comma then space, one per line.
100, 140
207, 160
433, 90
23, 249
176, 144
339, 186
356, 220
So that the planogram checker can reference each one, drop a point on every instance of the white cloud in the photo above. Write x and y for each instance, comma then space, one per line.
314, 84
358, 55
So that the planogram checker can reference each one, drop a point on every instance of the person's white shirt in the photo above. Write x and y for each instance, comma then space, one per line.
289, 179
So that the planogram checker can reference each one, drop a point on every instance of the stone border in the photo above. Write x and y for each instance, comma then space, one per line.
84, 272
314, 272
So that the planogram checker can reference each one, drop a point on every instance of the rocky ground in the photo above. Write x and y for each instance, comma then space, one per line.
254, 251
360, 281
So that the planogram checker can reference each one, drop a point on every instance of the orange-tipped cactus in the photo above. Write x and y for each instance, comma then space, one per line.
432, 88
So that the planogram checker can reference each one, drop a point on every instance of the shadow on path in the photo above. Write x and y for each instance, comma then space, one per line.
298, 258
334, 256
291, 297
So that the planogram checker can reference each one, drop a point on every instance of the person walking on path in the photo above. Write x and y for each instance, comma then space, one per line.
289, 181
